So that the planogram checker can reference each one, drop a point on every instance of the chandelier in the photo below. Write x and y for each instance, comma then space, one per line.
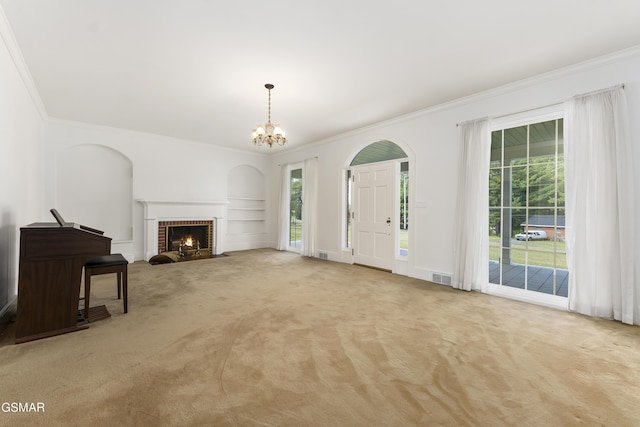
268, 133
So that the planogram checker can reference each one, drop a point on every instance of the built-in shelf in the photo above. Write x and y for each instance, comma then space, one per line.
246, 211
246, 215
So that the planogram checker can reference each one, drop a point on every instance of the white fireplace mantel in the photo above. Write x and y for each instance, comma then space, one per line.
156, 211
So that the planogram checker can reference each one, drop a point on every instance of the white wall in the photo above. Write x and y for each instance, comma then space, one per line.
164, 169
21, 160
430, 137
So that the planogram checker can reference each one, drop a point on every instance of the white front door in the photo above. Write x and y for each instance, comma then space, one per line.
373, 215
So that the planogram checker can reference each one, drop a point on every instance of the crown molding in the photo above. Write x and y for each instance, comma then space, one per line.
10, 42
92, 127
583, 66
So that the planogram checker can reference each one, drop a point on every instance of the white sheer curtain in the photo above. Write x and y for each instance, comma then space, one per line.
471, 248
600, 206
309, 206
283, 209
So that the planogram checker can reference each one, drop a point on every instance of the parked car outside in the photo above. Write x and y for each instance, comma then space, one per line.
532, 235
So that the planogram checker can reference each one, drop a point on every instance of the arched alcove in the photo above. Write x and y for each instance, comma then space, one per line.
246, 182
94, 187
247, 205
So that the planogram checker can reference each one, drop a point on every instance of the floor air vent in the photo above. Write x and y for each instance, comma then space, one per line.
443, 279
323, 255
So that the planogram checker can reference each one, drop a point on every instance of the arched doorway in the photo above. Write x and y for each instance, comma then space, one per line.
377, 210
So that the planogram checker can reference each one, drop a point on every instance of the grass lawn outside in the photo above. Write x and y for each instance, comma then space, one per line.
544, 253
404, 239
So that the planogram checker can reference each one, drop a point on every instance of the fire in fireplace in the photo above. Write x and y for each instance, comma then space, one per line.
186, 238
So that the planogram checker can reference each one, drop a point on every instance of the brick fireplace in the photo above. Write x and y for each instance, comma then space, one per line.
166, 223
173, 234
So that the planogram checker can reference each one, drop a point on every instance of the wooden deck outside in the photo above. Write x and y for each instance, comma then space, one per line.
538, 279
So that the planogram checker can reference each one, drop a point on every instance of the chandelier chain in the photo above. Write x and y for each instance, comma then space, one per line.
269, 114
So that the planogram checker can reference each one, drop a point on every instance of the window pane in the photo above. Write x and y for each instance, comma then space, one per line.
542, 184
560, 197
561, 256
560, 232
494, 238
494, 223
495, 187
518, 185
295, 209
560, 137
348, 203
378, 152
403, 235
562, 282
518, 222
496, 149
542, 139
513, 273
541, 253
515, 144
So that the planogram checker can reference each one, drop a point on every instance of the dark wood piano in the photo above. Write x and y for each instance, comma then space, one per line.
52, 256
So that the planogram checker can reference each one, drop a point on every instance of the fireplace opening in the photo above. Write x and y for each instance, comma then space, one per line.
187, 237
182, 240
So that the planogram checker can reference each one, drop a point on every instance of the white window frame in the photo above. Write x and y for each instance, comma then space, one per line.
539, 115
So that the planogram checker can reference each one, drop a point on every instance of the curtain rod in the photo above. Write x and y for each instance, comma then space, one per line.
620, 86
547, 106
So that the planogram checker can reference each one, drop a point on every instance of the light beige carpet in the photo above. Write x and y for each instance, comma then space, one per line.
271, 338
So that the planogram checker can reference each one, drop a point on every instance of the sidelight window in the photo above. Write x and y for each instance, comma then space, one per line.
295, 208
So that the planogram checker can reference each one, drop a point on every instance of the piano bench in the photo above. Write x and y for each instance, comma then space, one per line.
114, 263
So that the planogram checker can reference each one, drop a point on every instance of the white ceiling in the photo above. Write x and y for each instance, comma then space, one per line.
196, 69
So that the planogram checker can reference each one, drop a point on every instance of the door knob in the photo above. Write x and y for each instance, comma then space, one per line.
389, 220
